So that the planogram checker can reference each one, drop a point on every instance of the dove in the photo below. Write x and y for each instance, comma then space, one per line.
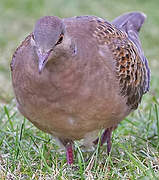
73, 77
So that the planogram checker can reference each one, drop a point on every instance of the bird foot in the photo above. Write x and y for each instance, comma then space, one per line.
106, 137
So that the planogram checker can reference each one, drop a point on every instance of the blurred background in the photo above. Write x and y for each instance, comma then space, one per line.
17, 18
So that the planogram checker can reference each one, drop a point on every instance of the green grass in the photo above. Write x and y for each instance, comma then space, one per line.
28, 153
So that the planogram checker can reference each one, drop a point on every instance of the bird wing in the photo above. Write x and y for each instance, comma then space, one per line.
131, 69
131, 23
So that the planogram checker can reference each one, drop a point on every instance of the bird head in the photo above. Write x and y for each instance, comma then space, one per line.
48, 33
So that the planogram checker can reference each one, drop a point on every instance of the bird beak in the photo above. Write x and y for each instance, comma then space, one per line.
43, 57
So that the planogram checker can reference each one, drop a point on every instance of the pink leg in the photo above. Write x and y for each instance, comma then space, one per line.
106, 137
103, 138
108, 140
69, 153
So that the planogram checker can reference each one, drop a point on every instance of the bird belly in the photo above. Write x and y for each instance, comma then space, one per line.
73, 116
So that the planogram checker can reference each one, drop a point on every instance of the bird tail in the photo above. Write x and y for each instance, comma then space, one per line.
131, 24
132, 21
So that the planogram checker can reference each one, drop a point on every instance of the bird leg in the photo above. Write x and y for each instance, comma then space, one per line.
106, 137
108, 140
69, 153
69, 150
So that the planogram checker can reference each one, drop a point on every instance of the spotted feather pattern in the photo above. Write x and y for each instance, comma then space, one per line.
130, 69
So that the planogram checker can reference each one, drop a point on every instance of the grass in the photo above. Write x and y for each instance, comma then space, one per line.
28, 153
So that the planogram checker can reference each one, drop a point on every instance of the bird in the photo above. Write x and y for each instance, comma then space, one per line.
76, 76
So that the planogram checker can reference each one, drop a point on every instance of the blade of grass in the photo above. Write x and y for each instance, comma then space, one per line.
157, 118
9, 119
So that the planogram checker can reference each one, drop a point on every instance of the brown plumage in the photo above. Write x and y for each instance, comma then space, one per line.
76, 76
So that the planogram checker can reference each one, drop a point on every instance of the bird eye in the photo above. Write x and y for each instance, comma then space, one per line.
60, 39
